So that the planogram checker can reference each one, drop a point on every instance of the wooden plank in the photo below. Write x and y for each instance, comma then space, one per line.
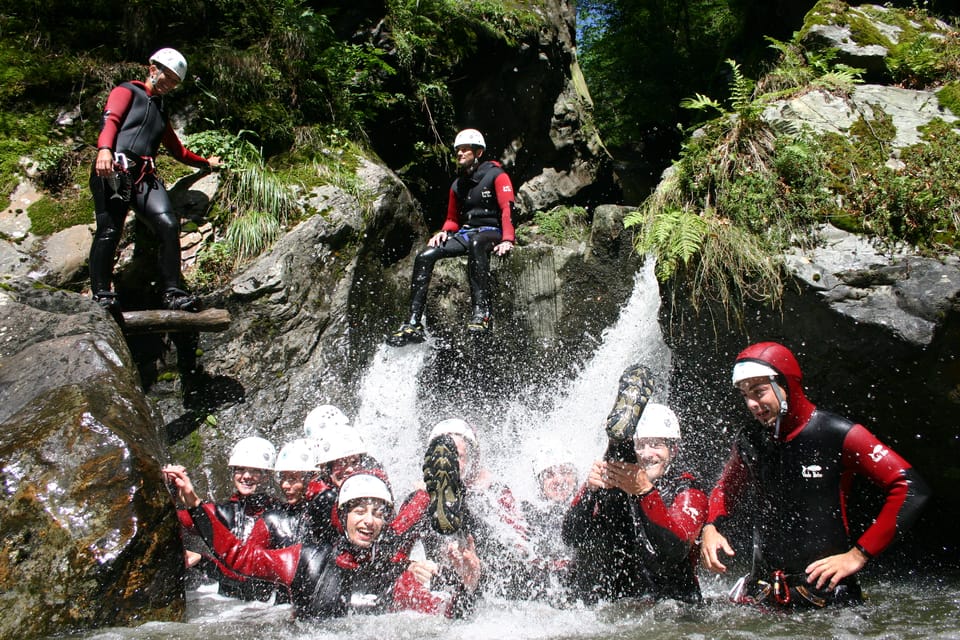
164, 321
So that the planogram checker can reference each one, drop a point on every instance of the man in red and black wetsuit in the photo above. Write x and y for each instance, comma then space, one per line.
479, 220
634, 523
801, 464
135, 124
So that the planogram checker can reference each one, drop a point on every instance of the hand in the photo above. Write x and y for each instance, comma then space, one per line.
835, 568
597, 478
423, 570
214, 162
465, 562
104, 163
178, 476
631, 478
711, 542
438, 239
503, 248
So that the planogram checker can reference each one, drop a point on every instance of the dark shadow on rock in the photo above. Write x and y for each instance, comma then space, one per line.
203, 394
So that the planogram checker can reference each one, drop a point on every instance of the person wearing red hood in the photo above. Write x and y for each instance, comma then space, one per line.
801, 465
479, 220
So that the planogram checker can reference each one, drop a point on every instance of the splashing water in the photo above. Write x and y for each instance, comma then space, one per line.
388, 421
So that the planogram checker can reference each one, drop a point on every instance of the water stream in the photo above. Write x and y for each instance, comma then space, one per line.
912, 606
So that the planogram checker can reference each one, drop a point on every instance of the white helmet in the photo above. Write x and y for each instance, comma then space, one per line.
470, 136
746, 369
551, 455
171, 59
658, 421
364, 485
453, 426
297, 455
338, 442
322, 417
253, 452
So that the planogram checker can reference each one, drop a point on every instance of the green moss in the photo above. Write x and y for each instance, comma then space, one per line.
949, 97
864, 32
562, 223
49, 214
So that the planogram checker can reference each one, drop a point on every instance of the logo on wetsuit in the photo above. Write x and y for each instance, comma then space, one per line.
879, 452
812, 471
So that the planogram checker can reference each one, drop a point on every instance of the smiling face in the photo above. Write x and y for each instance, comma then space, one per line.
467, 155
162, 80
654, 455
246, 480
365, 520
761, 399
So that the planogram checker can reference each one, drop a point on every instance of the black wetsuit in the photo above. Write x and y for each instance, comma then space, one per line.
800, 485
240, 515
135, 123
320, 577
478, 218
636, 546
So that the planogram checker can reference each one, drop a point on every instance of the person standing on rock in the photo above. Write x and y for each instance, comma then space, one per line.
479, 220
800, 462
135, 124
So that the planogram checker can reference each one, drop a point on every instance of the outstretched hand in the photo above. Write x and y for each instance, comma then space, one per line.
178, 476
711, 543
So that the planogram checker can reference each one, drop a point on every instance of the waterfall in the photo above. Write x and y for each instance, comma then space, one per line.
388, 421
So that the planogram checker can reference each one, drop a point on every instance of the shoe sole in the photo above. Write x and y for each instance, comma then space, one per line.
401, 339
441, 474
636, 389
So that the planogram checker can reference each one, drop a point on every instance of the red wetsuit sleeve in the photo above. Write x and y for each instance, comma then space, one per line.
452, 222
185, 520
728, 490
274, 565
683, 518
505, 198
118, 103
905, 491
180, 152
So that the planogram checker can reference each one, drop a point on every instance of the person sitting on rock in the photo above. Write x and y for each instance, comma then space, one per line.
479, 220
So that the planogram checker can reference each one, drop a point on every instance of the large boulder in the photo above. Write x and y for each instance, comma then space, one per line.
89, 535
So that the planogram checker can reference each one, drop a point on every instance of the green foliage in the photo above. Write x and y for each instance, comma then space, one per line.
925, 60
49, 215
949, 96
250, 233
562, 223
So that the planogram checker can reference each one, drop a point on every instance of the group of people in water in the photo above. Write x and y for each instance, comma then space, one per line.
338, 540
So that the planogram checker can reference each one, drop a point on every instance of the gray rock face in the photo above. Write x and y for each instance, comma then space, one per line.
822, 111
908, 294
88, 529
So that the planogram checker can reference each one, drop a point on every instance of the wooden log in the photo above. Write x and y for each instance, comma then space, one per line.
164, 321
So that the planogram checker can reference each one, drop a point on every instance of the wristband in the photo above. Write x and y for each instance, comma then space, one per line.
867, 554
102, 148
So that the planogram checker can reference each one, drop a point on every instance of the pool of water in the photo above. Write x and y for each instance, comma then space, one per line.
917, 607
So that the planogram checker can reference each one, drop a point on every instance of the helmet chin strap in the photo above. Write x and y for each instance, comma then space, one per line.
783, 407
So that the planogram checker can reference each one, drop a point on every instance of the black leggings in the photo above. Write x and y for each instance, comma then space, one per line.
476, 244
151, 204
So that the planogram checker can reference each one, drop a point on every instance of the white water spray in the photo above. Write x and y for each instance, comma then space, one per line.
388, 420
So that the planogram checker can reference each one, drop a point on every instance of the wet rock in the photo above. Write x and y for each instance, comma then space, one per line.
89, 536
